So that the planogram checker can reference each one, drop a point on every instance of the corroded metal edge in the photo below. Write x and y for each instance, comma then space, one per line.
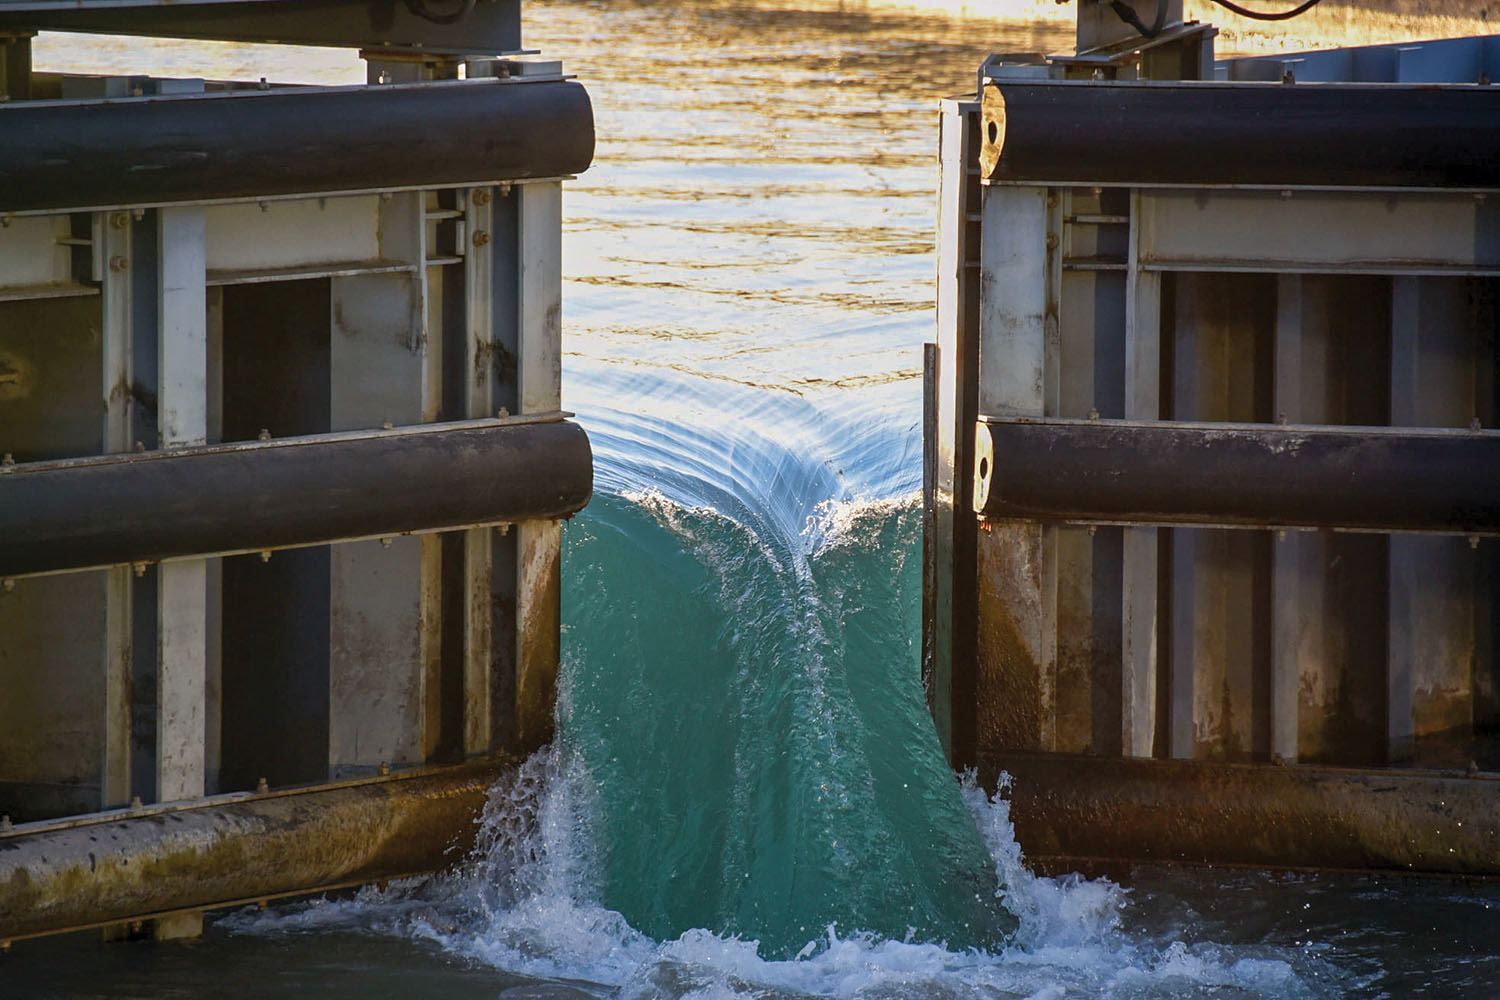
121, 866
1260, 815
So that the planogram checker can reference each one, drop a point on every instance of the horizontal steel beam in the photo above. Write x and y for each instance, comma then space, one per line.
1320, 135
1069, 807
118, 866
142, 507
1253, 475
249, 144
491, 27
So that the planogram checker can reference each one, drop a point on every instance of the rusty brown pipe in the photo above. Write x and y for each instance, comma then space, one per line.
119, 866
1263, 815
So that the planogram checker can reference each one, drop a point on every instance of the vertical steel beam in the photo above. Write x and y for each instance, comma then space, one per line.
1301, 359
182, 586
1017, 568
1217, 582
183, 420
385, 598
539, 389
1140, 545
112, 242
950, 637
480, 399
1431, 637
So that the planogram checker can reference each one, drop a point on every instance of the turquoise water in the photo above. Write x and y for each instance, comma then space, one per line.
747, 798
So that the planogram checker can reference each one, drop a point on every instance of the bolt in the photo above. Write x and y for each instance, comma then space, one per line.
1281, 534
8, 461
387, 426
1281, 418
1288, 77
1473, 541
1475, 425
264, 85
140, 570
9, 585
119, 220
481, 238
5, 824
265, 206
385, 768
118, 263
261, 905
265, 434
481, 196
4, 947
135, 805
261, 787
140, 447
1051, 241
1093, 530
138, 214
4, 221
505, 189
385, 543
504, 530
265, 555
1093, 413
1286, 193
502, 413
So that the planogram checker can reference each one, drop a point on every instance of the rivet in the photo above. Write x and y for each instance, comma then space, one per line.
118, 263
481, 196
481, 238
1051, 241
119, 220
262, 787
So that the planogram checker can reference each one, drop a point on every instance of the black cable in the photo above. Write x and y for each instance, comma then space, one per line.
419, 8
1130, 17
1256, 15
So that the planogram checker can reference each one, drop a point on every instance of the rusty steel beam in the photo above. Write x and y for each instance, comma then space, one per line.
119, 866
142, 507
1249, 475
1263, 815
1253, 134
289, 140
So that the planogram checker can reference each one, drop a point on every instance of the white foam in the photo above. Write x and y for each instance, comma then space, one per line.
527, 904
